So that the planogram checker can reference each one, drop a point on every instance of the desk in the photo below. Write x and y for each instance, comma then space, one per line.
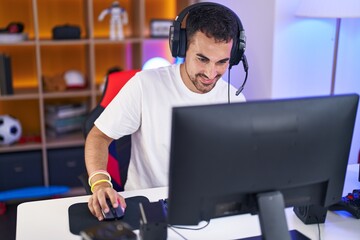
48, 219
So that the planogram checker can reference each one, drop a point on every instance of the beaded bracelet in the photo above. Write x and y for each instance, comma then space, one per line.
97, 173
100, 181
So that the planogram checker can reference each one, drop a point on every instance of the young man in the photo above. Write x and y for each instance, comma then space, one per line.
143, 106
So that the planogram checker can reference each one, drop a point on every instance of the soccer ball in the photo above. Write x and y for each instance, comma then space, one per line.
10, 130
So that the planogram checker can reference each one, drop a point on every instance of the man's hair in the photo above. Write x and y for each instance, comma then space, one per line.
216, 22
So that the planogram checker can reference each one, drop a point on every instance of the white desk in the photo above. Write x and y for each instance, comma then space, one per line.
48, 219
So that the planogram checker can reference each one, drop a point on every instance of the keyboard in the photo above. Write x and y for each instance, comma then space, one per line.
349, 203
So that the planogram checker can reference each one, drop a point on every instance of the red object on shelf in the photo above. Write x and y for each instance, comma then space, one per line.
30, 139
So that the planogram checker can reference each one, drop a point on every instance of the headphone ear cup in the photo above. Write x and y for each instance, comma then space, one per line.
177, 41
173, 41
238, 49
242, 43
182, 43
235, 55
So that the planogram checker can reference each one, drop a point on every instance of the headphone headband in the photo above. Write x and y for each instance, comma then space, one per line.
178, 38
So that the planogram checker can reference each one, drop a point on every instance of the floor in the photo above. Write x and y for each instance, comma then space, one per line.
8, 222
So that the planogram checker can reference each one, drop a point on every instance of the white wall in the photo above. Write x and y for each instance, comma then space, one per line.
303, 55
259, 29
291, 56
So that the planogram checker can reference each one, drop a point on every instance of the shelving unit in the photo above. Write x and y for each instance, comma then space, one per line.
94, 54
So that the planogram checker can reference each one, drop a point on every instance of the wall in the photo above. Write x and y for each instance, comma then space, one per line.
291, 56
258, 23
303, 55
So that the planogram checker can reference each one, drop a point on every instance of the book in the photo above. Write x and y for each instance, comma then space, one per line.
6, 85
66, 110
51, 132
13, 37
69, 122
8, 77
63, 130
2, 75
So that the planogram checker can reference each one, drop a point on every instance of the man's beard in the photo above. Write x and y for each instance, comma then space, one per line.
202, 87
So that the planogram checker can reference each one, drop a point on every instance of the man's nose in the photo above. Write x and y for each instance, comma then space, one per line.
211, 71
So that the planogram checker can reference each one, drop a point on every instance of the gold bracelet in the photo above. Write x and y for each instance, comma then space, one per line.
101, 181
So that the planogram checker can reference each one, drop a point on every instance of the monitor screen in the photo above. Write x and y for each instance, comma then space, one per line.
224, 158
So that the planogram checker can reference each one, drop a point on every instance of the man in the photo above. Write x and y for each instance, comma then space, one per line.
143, 106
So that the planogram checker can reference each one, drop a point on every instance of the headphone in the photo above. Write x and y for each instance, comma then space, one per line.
178, 41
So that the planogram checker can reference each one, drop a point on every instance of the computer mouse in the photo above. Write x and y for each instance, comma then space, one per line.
114, 213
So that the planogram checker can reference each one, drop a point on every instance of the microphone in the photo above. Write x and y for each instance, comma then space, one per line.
246, 68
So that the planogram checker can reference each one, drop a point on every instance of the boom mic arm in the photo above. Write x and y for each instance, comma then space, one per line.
246, 68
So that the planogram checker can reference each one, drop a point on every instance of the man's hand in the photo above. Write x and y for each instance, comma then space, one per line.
98, 200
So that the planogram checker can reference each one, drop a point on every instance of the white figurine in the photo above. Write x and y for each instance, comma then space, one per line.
118, 18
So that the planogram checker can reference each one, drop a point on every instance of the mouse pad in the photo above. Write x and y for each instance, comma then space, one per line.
80, 217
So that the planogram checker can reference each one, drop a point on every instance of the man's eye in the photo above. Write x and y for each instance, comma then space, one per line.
202, 59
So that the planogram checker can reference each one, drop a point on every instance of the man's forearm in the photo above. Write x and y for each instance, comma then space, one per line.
96, 150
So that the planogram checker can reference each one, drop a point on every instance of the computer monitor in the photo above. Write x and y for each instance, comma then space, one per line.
258, 157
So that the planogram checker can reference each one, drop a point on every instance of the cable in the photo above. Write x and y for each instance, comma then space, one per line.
172, 227
177, 232
229, 86
190, 228
318, 224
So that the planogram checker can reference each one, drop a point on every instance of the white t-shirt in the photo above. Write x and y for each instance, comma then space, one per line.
143, 108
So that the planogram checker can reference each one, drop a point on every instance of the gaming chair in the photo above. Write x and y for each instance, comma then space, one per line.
119, 150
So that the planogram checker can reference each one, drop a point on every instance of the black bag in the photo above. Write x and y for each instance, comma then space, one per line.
66, 32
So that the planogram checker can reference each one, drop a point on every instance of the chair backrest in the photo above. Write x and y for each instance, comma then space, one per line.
119, 150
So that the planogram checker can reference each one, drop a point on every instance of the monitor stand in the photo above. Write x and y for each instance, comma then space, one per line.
273, 220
